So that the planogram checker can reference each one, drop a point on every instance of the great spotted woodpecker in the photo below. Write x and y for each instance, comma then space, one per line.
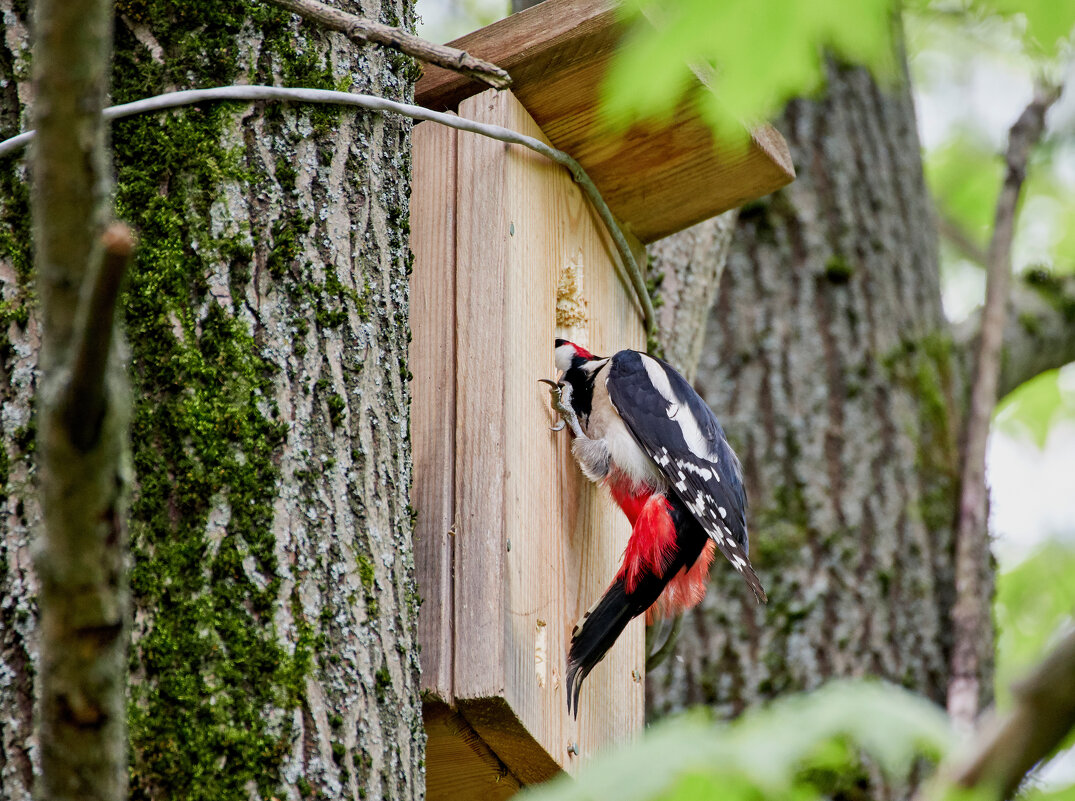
641, 430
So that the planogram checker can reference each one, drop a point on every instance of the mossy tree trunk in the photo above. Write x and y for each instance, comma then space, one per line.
273, 647
830, 363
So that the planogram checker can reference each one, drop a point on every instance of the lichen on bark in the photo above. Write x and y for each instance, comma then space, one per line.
829, 362
273, 648
19, 510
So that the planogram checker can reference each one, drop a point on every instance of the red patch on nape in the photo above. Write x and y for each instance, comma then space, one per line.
652, 543
686, 589
580, 350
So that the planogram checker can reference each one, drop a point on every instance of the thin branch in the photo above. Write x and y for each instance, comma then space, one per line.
246, 93
360, 29
1010, 746
969, 622
1039, 334
84, 596
84, 399
961, 240
655, 658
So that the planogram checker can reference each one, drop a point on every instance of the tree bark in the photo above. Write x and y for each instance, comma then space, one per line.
688, 267
273, 635
20, 507
1039, 332
829, 362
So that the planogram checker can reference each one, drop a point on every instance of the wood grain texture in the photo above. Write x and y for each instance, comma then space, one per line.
560, 35
534, 543
459, 765
481, 419
432, 362
657, 178
514, 239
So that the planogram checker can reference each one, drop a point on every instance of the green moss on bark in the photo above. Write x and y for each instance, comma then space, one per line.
924, 368
18, 298
838, 270
1051, 288
213, 683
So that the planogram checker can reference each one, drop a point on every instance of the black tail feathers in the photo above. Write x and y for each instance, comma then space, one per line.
594, 635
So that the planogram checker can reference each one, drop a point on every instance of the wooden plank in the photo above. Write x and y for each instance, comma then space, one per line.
481, 418
523, 225
657, 178
553, 36
459, 765
432, 362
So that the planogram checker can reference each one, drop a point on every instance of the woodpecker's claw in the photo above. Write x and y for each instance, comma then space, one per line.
555, 392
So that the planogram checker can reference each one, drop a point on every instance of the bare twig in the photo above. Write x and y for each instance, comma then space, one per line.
84, 402
961, 240
190, 96
655, 658
365, 30
84, 597
969, 622
1011, 745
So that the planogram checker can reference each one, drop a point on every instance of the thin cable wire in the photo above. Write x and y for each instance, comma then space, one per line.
374, 103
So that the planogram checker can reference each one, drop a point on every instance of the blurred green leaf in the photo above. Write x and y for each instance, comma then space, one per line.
1031, 408
1064, 249
1049, 200
964, 177
768, 753
1048, 22
1059, 794
760, 54
1035, 602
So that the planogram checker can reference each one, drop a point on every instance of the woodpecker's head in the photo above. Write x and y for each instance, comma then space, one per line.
569, 355
578, 368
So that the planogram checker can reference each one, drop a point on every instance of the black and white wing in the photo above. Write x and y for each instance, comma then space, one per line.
672, 423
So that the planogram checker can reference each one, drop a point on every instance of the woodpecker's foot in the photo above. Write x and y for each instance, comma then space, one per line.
556, 393
567, 414
573, 423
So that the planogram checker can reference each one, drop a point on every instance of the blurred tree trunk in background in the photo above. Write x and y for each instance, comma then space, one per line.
687, 268
275, 609
830, 363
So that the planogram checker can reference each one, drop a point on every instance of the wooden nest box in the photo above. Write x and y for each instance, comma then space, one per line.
512, 543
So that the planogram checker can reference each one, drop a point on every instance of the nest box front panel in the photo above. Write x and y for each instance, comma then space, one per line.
532, 543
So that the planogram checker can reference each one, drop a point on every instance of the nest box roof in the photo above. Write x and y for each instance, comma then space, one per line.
657, 178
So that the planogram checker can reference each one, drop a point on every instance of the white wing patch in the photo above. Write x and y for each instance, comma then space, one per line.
702, 472
677, 411
659, 378
662, 458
